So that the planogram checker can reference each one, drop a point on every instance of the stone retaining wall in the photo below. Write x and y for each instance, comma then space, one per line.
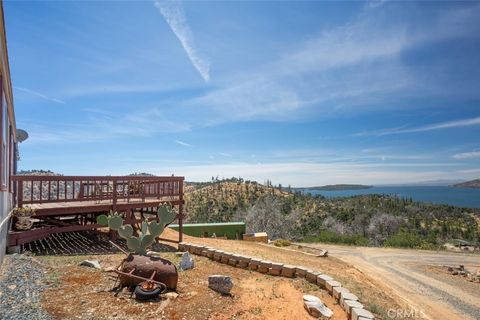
347, 300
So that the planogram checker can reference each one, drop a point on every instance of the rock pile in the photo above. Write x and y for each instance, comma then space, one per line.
461, 271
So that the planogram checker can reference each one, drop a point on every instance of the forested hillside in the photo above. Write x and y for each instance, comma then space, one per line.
361, 220
283, 212
220, 201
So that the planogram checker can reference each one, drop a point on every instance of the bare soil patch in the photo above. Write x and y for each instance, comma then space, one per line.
83, 293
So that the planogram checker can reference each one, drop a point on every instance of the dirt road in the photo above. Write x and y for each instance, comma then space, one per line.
392, 283
409, 274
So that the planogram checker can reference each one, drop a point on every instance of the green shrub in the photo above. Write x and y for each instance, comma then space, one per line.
403, 239
425, 245
332, 237
282, 243
408, 239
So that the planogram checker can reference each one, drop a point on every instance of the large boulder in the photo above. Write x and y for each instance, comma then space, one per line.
219, 283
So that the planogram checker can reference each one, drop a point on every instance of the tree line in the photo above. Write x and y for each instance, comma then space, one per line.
377, 220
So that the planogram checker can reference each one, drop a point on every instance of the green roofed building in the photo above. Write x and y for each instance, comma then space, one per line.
230, 230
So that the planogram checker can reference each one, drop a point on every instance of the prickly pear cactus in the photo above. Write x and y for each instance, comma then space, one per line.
149, 230
166, 214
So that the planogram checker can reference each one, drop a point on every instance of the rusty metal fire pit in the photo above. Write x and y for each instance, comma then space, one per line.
135, 269
146, 276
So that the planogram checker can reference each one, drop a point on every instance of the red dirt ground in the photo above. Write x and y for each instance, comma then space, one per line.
82, 293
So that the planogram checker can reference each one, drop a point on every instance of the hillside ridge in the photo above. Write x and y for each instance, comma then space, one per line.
338, 187
469, 184
378, 220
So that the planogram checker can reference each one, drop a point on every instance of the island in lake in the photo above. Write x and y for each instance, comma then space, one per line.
469, 184
337, 187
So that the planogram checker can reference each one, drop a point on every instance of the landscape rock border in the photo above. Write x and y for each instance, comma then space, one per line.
347, 300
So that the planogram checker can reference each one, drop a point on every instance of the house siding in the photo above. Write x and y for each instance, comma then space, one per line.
7, 138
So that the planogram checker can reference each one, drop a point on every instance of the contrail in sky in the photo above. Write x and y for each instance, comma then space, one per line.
175, 17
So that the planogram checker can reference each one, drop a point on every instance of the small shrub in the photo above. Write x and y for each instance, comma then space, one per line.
425, 245
332, 237
282, 243
404, 239
23, 212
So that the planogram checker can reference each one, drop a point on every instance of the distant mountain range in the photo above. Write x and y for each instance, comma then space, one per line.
459, 183
427, 183
338, 187
469, 184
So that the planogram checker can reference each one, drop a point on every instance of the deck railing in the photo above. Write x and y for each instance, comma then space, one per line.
33, 189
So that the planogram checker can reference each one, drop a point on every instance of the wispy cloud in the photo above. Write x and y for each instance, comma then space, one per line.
311, 174
174, 15
38, 94
142, 123
467, 155
102, 125
42, 134
431, 127
182, 143
113, 89
225, 154
376, 3
347, 69
469, 172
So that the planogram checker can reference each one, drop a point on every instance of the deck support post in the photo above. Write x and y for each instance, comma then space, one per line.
112, 235
180, 223
114, 195
14, 249
20, 194
180, 212
180, 227
132, 216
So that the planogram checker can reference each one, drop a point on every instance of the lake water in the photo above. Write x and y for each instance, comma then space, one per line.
462, 197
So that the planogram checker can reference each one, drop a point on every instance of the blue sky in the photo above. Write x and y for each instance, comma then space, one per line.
301, 93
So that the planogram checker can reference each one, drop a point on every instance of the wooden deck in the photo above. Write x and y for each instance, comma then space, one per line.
76, 207
72, 203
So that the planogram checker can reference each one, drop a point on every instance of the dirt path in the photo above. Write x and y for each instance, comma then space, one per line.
405, 273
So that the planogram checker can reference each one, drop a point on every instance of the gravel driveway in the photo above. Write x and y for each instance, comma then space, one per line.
404, 272
21, 286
